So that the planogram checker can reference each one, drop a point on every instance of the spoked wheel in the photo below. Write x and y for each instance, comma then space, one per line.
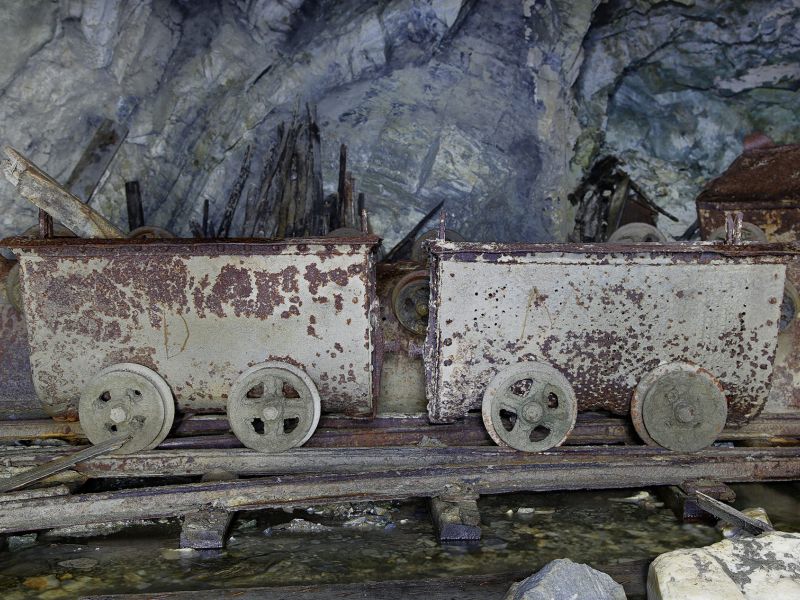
680, 407
127, 398
410, 301
273, 406
530, 407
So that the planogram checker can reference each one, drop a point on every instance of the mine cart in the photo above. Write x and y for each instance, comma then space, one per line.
764, 185
123, 332
680, 336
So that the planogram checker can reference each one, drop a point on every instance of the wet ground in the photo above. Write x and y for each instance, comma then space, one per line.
381, 541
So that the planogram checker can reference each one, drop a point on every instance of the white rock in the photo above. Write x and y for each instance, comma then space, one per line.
766, 567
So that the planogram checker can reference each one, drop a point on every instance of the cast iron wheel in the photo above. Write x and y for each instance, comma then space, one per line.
637, 233
410, 301
127, 398
529, 406
680, 407
273, 407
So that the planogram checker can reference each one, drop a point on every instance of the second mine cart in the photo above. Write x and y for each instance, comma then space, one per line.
680, 336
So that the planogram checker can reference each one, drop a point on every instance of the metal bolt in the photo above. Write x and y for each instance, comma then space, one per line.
270, 413
532, 412
118, 414
684, 413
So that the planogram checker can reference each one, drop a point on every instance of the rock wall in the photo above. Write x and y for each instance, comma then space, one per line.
496, 107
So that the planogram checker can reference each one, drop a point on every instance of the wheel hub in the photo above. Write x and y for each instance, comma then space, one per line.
532, 412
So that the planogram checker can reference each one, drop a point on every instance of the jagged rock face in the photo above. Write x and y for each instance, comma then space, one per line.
497, 108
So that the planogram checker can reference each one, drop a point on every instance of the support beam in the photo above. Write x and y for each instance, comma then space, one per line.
456, 520
206, 528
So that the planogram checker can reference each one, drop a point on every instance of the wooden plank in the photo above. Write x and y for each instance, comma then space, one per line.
205, 528
456, 520
93, 163
564, 469
42, 190
133, 200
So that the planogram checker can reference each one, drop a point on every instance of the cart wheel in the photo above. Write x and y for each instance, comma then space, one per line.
273, 406
420, 254
410, 301
750, 233
150, 232
635, 233
529, 406
680, 407
13, 289
125, 398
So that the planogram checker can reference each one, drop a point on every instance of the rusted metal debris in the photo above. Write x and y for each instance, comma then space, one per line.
498, 472
496, 304
199, 313
731, 515
607, 199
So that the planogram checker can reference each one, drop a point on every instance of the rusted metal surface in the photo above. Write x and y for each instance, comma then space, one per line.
763, 183
16, 385
490, 471
199, 313
604, 315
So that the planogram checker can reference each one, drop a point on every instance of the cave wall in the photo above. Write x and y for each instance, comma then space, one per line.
498, 107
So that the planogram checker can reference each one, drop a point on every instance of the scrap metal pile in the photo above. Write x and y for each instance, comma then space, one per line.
134, 337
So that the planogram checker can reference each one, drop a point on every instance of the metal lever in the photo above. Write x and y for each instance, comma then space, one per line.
61, 464
731, 515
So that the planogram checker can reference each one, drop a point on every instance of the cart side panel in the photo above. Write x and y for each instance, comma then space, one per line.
200, 319
604, 321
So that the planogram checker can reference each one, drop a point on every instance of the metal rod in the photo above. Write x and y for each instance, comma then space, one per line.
61, 464
731, 515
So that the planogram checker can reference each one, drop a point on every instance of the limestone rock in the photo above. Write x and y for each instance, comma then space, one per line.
764, 567
482, 104
563, 579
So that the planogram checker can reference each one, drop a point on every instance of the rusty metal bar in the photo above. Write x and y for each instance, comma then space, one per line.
63, 463
565, 469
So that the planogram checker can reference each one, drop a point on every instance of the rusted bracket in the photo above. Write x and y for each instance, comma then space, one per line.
61, 464
731, 515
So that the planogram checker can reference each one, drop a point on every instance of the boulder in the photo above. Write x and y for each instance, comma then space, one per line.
563, 579
743, 568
